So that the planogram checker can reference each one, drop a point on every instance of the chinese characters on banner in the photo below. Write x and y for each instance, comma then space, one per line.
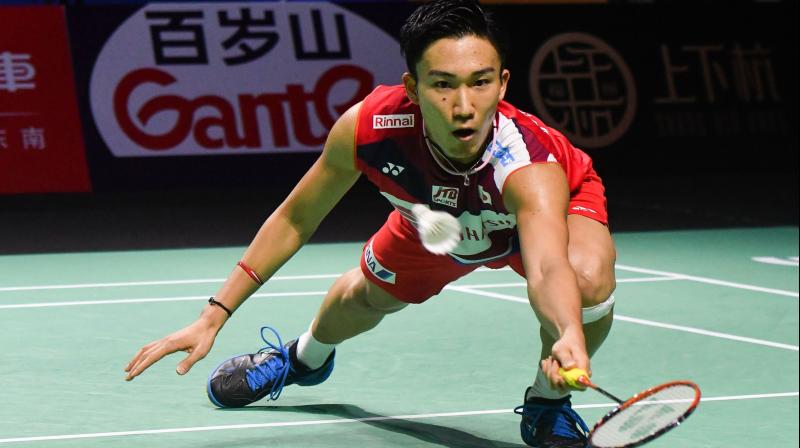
41, 145
221, 79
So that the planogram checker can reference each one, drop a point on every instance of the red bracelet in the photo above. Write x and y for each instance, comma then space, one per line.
250, 272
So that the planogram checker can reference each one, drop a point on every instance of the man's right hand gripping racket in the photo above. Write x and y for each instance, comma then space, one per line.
643, 417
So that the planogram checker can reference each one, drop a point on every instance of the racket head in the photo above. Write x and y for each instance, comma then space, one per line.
646, 415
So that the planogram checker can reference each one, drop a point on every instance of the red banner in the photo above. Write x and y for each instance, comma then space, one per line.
41, 144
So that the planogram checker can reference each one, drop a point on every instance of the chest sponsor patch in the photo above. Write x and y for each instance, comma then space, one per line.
392, 121
445, 195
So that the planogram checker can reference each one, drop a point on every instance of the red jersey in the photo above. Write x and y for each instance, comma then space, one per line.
391, 149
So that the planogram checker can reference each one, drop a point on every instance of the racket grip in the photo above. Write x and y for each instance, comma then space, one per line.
575, 378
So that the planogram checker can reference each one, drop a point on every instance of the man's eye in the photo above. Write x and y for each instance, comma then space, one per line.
441, 84
481, 82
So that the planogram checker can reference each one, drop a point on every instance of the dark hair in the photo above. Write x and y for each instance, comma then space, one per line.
447, 19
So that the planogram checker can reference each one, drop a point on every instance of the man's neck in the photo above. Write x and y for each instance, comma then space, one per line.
466, 162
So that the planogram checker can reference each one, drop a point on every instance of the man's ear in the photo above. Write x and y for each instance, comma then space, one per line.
411, 87
504, 76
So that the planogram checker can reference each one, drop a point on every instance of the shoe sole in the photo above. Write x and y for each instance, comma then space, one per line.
325, 374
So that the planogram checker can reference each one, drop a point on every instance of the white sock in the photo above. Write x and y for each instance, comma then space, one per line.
541, 388
311, 352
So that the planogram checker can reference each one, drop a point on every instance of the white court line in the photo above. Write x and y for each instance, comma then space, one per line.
182, 282
337, 421
153, 299
159, 282
205, 297
646, 279
791, 261
649, 323
667, 276
663, 275
622, 280
706, 332
710, 281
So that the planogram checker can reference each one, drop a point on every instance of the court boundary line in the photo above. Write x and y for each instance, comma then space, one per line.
181, 282
150, 300
342, 420
711, 281
205, 297
650, 323
157, 283
270, 294
622, 267
621, 280
468, 289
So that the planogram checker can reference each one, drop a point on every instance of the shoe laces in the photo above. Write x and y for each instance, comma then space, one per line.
564, 420
274, 369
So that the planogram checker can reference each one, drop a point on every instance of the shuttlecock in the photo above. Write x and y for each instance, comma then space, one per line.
440, 232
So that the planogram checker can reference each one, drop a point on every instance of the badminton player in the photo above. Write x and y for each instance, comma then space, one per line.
442, 147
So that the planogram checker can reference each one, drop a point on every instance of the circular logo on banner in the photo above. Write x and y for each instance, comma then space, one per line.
583, 87
235, 78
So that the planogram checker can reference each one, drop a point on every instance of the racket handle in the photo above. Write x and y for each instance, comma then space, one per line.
576, 378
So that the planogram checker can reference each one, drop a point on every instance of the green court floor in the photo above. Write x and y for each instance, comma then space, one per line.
719, 307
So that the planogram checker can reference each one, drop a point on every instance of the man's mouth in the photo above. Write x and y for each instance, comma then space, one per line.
463, 134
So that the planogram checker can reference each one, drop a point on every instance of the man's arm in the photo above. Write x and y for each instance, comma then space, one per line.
539, 195
297, 218
283, 233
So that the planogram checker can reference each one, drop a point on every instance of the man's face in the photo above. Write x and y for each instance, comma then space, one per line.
458, 87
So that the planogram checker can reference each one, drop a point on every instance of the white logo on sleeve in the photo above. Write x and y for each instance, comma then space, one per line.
392, 168
392, 121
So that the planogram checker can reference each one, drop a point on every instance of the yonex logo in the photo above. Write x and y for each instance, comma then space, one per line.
445, 195
376, 268
392, 121
392, 168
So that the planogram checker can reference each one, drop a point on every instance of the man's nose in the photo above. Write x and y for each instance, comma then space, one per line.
462, 107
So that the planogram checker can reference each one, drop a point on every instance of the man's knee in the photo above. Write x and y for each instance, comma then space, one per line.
592, 256
596, 279
364, 296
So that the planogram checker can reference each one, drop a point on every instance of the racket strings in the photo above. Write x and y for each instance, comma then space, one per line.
645, 418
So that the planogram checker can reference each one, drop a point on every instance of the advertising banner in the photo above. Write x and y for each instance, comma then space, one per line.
184, 80
653, 89
41, 146
244, 93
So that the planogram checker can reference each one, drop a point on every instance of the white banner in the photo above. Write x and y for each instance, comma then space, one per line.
235, 78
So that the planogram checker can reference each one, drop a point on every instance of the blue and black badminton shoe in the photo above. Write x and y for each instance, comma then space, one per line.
551, 423
246, 379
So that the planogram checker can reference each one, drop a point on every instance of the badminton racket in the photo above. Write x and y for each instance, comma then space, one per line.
641, 418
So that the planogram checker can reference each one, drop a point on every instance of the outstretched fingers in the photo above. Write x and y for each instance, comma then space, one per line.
147, 356
139, 355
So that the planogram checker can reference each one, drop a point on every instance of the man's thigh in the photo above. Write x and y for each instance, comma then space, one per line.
395, 260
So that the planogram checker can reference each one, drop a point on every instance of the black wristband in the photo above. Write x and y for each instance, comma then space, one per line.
213, 302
